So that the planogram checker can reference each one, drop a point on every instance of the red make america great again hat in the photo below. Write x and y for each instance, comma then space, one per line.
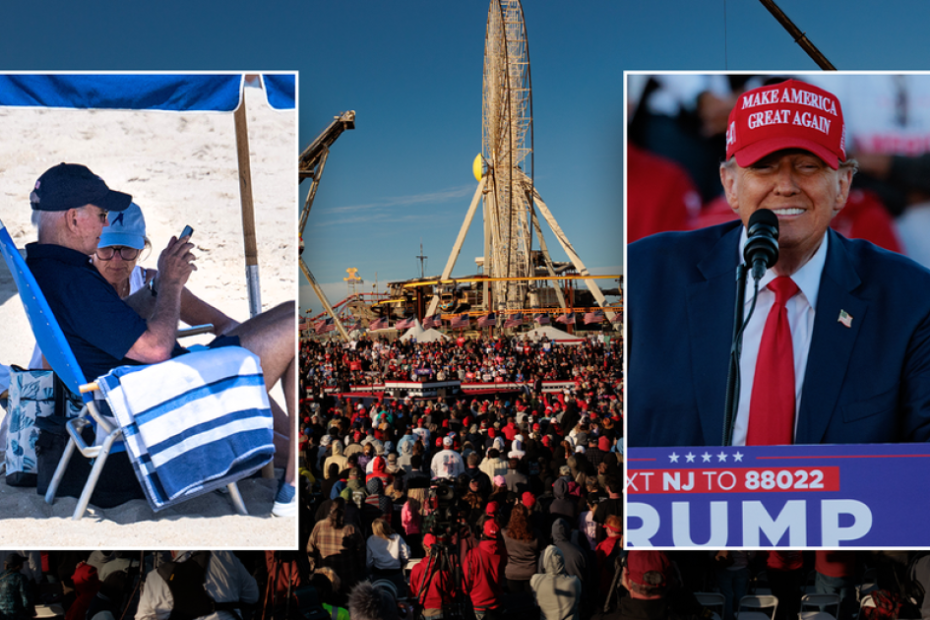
789, 115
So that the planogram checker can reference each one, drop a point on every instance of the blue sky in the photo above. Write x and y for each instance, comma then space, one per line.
412, 71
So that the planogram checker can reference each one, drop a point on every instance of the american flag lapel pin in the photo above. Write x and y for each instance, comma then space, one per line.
845, 318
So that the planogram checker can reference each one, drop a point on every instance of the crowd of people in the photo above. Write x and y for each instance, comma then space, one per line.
509, 499
510, 570
469, 506
504, 359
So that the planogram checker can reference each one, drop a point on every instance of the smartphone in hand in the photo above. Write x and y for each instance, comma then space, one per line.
187, 232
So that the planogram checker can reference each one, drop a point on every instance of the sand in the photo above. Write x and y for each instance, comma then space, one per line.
208, 521
181, 169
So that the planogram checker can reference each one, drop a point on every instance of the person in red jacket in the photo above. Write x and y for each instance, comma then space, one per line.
86, 585
439, 590
661, 192
510, 430
605, 552
483, 572
379, 470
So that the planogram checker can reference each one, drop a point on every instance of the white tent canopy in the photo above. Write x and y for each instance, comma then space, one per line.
552, 333
423, 335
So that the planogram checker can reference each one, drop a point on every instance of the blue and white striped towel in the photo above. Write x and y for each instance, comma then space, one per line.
194, 423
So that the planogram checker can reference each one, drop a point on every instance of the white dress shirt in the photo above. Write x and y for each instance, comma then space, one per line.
801, 312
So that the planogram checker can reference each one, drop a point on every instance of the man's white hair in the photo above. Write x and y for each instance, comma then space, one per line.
45, 219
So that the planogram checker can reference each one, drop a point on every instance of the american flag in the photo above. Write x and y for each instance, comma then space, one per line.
618, 317
513, 320
542, 319
381, 323
326, 325
406, 323
459, 321
593, 317
431, 321
566, 318
488, 320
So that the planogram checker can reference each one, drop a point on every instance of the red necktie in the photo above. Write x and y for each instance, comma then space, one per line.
771, 408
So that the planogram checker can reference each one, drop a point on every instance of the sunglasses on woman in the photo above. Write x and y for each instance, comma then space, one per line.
125, 253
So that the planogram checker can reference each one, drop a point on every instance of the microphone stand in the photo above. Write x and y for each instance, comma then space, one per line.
732, 397
759, 253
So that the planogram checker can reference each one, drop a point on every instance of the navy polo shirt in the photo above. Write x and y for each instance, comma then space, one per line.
99, 326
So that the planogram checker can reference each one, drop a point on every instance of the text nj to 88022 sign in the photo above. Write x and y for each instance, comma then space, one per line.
784, 496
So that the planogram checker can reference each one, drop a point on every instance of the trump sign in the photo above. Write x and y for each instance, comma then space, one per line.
778, 496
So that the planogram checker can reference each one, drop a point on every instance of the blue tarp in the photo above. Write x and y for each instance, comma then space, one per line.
187, 93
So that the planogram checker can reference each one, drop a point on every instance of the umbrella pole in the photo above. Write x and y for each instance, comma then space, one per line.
248, 225
248, 212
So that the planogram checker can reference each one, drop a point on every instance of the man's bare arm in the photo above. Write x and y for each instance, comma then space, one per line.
174, 268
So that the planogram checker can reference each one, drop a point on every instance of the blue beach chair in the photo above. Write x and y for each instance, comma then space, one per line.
190, 425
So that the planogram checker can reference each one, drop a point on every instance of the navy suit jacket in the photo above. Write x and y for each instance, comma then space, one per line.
867, 383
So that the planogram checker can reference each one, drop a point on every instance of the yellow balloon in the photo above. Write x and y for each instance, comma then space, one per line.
477, 168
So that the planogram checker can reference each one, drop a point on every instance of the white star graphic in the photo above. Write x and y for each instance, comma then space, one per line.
673, 457
722, 457
738, 457
689, 457
706, 456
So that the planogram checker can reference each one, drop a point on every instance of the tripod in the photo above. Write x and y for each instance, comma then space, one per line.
444, 559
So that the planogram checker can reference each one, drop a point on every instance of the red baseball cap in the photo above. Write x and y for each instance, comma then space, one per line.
429, 540
491, 508
789, 115
528, 499
639, 563
491, 528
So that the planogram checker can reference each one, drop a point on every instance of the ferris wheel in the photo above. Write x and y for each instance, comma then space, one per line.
507, 151
504, 170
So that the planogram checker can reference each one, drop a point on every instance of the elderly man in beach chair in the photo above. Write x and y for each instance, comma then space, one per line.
70, 206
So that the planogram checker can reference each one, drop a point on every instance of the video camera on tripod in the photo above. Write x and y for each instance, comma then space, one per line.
446, 514
443, 568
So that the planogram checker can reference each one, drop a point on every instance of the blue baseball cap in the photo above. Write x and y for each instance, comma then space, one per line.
127, 228
71, 186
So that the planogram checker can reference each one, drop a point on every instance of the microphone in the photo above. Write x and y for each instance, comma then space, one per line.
761, 251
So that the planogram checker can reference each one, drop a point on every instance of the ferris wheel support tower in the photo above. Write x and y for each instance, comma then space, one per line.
505, 171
